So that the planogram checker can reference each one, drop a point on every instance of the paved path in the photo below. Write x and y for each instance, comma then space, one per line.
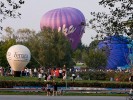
31, 97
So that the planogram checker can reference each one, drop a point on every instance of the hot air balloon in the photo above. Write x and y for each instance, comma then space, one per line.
18, 56
117, 51
67, 20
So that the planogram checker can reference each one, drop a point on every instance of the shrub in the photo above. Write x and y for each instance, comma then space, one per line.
11, 84
93, 75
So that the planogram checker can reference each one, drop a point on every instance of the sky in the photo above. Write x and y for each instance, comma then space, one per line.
33, 10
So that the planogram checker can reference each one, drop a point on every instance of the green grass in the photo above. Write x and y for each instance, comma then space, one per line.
93, 94
80, 65
65, 94
21, 93
11, 78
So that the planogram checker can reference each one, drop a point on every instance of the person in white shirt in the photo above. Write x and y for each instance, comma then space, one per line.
64, 77
35, 72
73, 76
131, 92
39, 76
60, 73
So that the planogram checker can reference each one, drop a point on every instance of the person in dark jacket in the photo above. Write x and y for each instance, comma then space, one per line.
55, 90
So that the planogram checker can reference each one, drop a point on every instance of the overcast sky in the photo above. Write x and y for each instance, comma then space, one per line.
33, 10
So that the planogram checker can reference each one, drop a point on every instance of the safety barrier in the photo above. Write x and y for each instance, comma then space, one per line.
68, 89
97, 90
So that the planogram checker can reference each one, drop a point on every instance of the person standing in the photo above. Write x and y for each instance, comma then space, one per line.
45, 77
55, 89
35, 72
60, 73
39, 76
48, 89
131, 91
73, 76
49, 77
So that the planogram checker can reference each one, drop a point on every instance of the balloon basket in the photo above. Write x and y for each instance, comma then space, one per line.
17, 73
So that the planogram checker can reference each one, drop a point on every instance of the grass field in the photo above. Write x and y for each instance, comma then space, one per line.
11, 78
65, 94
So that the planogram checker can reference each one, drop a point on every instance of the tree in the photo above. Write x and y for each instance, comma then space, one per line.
28, 38
59, 47
8, 8
93, 44
5, 43
77, 55
48, 47
115, 22
96, 59
52, 48
22, 36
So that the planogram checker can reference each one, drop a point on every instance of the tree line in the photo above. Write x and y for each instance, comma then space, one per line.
50, 48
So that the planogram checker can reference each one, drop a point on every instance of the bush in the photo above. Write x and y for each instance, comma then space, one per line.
11, 84
93, 75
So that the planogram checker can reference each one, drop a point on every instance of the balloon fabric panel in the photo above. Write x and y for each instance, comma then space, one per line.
67, 20
118, 51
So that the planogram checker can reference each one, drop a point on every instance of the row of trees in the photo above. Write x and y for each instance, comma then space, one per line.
50, 48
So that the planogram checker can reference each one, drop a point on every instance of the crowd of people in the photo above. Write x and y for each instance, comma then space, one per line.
45, 74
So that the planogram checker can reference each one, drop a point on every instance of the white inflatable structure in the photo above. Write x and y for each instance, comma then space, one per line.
18, 56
